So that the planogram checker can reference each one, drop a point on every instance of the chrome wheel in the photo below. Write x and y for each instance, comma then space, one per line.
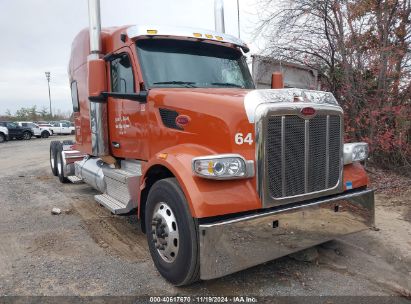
58, 163
52, 160
165, 232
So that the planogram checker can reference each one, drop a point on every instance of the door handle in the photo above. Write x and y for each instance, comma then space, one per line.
115, 144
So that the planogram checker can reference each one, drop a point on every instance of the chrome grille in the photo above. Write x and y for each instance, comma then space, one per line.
303, 155
294, 156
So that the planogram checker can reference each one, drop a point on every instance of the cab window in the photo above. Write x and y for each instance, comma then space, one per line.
122, 79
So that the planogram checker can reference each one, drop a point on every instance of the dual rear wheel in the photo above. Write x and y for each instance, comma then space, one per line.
56, 161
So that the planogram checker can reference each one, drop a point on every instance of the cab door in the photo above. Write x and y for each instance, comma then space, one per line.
127, 118
14, 129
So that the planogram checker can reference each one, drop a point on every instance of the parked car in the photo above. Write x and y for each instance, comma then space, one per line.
62, 128
16, 131
38, 131
46, 125
4, 134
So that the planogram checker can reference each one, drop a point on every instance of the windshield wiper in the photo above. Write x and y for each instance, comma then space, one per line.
188, 84
227, 84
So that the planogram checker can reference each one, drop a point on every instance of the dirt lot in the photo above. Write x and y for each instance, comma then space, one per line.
88, 251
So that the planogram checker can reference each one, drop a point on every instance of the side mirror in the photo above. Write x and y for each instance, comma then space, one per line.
277, 81
96, 78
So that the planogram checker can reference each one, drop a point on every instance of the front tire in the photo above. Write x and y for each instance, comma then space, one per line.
172, 233
27, 135
2, 138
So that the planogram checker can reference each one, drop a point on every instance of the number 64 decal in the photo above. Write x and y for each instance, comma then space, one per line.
241, 138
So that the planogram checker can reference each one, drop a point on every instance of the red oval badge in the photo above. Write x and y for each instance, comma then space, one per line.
307, 111
182, 120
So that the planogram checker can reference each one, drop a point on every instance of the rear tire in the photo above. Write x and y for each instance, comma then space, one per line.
2, 138
53, 155
45, 134
177, 258
72, 132
27, 135
60, 165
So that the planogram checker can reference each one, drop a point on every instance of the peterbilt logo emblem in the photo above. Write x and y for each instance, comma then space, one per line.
182, 120
308, 111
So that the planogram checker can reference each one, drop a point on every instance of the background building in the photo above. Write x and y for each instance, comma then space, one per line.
295, 75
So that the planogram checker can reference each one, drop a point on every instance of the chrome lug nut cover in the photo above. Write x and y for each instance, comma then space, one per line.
165, 232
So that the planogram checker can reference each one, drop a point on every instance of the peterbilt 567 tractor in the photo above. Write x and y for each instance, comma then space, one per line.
222, 176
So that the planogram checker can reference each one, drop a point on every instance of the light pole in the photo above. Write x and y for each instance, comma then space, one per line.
48, 82
238, 18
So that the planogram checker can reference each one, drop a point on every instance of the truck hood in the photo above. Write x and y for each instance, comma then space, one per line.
246, 100
218, 101
215, 117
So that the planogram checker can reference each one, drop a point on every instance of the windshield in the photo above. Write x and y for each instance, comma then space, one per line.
176, 63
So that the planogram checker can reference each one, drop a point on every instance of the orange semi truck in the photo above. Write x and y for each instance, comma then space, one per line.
222, 176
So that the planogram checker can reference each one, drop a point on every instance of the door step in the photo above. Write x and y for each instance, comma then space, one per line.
122, 187
115, 206
74, 179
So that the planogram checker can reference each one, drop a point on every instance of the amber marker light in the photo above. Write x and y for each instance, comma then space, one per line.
162, 155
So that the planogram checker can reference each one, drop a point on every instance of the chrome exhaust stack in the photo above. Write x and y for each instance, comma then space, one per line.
94, 26
219, 16
98, 111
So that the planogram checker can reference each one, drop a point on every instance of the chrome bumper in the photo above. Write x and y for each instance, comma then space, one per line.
233, 245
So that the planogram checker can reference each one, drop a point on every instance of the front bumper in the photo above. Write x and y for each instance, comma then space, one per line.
236, 244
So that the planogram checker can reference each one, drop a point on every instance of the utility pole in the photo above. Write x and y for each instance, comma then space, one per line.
48, 82
238, 18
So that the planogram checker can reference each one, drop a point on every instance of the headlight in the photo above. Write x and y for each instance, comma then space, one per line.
223, 166
354, 152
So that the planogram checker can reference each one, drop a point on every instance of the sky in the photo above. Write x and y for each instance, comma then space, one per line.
37, 36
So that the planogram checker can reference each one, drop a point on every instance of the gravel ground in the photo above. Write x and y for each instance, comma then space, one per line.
87, 251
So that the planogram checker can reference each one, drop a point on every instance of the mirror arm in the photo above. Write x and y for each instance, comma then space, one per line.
140, 97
